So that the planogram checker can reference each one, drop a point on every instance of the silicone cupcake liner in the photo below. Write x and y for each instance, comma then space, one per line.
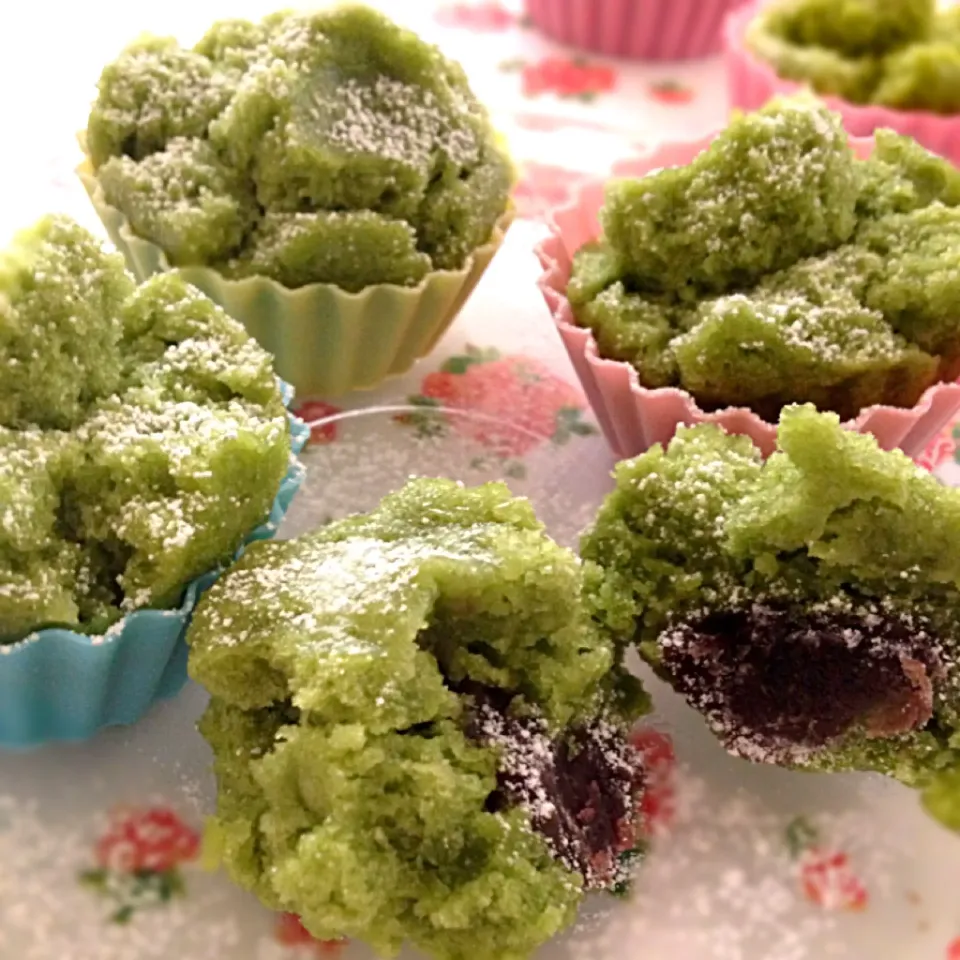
752, 82
634, 417
635, 29
325, 341
62, 685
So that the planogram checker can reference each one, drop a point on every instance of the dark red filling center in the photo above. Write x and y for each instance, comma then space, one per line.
777, 682
581, 790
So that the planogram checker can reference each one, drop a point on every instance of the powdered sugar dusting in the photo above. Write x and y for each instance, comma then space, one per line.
311, 113
121, 407
396, 121
883, 664
536, 769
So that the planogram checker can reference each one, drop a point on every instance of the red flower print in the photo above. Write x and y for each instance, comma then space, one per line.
566, 78
543, 188
829, 881
670, 91
138, 860
826, 876
658, 805
154, 840
314, 410
475, 16
290, 931
656, 747
940, 450
516, 402
953, 949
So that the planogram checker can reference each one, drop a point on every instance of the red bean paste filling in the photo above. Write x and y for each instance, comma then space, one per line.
777, 683
581, 789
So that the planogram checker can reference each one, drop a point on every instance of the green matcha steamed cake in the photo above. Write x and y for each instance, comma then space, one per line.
418, 734
292, 247
779, 268
903, 54
807, 606
60, 326
142, 435
37, 569
773, 188
854, 28
152, 94
184, 198
334, 133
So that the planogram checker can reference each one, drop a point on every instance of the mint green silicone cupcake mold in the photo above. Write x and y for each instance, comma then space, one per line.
325, 341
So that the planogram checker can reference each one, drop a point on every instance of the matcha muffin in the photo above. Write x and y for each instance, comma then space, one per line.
903, 54
778, 267
330, 147
328, 178
807, 605
419, 736
142, 435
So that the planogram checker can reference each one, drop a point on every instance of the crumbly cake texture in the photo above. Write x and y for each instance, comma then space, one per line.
418, 733
142, 435
807, 606
903, 54
778, 268
327, 147
854, 28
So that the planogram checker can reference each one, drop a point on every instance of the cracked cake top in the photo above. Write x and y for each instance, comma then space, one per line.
328, 147
142, 434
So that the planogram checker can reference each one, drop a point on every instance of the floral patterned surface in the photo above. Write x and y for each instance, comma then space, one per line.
139, 859
826, 875
519, 401
100, 851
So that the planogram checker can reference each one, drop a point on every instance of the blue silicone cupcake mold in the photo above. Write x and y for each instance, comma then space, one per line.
62, 685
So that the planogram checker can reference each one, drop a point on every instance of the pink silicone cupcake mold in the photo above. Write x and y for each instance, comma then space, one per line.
635, 29
633, 417
752, 82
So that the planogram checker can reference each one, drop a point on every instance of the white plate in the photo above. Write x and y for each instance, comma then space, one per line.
719, 883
